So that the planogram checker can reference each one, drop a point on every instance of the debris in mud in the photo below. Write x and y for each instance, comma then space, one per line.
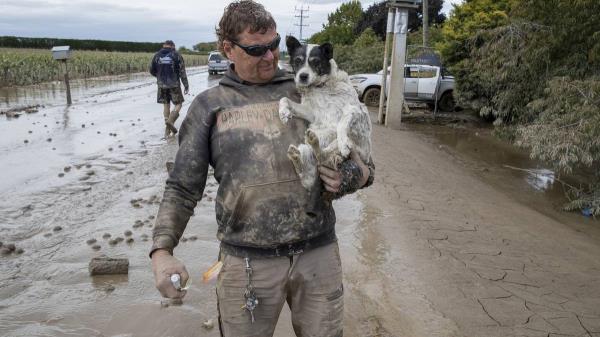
138, 224
49, 140
67, 168
119, 239
91, 241
106, 235
170, 166
144, 237
9, 249
193, 238
57, 228
172, 301
183, 239
208, 324
47, 235
60, 175
104, 265
130, 240
96, 247
151, 217
16, 112
128, 233
26, 141
113, 242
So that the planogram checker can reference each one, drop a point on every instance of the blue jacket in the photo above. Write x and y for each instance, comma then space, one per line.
169, 68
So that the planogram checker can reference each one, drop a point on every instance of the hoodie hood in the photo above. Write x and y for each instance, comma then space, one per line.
231, 78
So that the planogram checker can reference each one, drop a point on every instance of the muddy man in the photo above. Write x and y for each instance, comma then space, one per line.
272, 251
169, 68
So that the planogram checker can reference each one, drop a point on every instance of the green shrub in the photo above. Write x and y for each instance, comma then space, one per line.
566, 133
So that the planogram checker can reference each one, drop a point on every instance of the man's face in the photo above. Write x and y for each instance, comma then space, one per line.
254, 69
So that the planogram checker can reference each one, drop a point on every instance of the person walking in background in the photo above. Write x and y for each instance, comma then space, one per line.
169, 68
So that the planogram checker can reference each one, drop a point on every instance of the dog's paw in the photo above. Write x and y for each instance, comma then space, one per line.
295, 156
311, 138
285, 113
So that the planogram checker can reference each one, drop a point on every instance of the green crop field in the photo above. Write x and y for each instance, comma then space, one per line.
31, 66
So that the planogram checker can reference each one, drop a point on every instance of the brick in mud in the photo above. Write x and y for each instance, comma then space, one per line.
104, 265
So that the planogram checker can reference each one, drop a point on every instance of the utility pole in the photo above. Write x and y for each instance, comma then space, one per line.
384, 74
395, 101
302, 17
425, 23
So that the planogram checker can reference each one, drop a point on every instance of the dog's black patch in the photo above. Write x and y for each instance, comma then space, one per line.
319, 58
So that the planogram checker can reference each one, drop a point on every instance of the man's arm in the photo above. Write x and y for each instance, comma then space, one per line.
153, 66
183, 74
186, 181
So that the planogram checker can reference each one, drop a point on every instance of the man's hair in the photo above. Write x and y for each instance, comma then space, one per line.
241, 15
169, 43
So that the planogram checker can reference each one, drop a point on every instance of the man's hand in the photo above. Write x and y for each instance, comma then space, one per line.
163, 266
186, 90
332, 179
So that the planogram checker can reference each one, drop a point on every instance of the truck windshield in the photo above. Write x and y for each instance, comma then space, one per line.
215, 57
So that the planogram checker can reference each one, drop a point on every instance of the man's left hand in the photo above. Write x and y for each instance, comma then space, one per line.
332, 179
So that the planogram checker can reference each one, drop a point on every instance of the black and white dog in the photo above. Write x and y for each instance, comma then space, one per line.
338, 122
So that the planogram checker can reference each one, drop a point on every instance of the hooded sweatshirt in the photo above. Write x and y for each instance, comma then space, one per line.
235, 128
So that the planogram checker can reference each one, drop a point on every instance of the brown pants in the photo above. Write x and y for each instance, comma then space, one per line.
310, 282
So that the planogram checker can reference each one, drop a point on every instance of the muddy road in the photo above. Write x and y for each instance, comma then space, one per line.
450, 241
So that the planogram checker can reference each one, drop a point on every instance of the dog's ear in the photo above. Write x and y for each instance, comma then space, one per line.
292, 44
327, 49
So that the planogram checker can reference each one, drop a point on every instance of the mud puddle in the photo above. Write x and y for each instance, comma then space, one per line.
504, 166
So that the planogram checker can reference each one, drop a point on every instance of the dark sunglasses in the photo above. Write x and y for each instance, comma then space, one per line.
259, 49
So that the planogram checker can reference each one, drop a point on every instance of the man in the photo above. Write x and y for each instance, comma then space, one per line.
272, 250
169, 68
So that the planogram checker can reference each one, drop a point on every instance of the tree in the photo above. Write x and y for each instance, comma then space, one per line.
465, 21
205, 47
340, 25
375, 17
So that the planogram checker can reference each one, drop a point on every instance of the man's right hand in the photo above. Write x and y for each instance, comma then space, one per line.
164, 265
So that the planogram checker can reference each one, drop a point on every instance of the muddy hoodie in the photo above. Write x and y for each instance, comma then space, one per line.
235, 128
168, 67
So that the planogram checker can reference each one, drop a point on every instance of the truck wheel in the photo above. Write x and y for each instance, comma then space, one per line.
446, 102
371, 97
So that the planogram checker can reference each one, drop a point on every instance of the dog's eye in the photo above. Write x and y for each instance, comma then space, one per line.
298, 60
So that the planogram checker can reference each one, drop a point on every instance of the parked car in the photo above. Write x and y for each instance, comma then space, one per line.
217, 63
421, 83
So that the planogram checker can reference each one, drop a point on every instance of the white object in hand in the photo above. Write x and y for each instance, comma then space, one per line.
176, 281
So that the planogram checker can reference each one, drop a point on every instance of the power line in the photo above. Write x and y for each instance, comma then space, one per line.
302, 10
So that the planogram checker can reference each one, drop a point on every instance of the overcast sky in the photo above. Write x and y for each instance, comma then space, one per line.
184, 21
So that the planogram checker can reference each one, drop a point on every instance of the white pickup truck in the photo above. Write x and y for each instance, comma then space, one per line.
422, 84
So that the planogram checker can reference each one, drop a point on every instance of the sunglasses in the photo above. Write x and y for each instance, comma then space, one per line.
259, 49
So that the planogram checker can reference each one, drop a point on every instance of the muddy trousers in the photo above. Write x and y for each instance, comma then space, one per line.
310, 283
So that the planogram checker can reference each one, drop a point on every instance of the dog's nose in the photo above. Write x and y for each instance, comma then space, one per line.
304, 77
